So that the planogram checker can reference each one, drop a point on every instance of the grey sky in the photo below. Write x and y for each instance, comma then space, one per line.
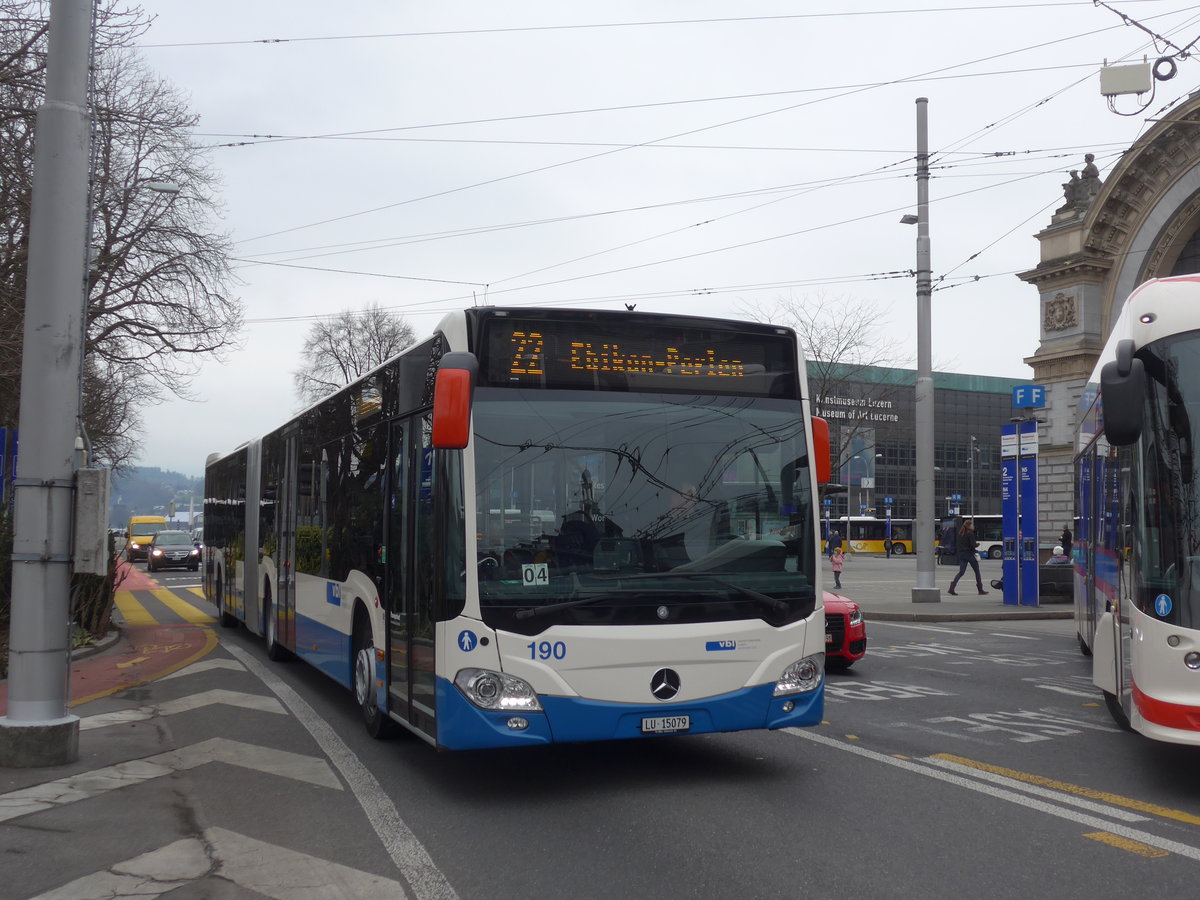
685, 157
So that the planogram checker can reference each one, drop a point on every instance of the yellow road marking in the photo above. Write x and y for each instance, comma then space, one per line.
131, 610
183, 609
1091, 793
132, 662
1123, 843
199, 592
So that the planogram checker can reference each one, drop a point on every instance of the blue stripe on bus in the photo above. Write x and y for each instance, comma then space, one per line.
325, 648
463, 726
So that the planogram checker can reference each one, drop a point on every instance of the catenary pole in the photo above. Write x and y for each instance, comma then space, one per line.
926, 590
38, 731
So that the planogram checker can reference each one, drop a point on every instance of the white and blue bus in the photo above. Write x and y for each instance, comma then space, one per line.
1136, 552
542, 526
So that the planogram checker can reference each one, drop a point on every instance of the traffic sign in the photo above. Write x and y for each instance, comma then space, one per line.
1029, 396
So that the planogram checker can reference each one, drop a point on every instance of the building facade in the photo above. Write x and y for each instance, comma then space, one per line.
871, 415
1140, 221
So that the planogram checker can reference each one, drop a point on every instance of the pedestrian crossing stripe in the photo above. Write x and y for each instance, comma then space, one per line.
134, 613
131, 610
183, 609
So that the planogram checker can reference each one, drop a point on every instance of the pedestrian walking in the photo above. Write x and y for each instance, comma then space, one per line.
838, 561
967, 556
834, 543
1064, 540
887, 548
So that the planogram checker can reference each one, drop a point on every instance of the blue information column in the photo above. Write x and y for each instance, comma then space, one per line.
1028, 477
1010, 513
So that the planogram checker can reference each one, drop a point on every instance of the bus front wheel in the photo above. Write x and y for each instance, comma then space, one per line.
377, 723
1114, 710
995, 553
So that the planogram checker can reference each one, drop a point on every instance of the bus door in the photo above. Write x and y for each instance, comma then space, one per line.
1087, 523
283, 606
411, 689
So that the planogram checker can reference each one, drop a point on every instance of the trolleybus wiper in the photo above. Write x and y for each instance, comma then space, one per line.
530, 612
769, 603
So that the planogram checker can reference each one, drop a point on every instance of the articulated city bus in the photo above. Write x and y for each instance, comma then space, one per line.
1136, 556
541, 526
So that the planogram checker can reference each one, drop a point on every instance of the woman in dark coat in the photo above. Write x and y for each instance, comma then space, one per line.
967, 556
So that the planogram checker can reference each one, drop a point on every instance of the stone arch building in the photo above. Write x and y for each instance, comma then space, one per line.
1141, 221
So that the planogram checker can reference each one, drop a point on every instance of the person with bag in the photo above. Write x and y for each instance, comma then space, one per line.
966, 545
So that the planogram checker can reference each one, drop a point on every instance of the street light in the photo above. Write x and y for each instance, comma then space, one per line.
926, 590
971, 499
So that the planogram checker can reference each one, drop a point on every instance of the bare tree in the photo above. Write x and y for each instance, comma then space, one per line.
343, 348
845, 344
159, 298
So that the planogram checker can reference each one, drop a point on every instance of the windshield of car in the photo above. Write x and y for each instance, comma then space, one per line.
172, 539
635, 504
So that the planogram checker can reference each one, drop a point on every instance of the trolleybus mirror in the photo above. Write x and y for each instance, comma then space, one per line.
820, 436
452, 400
1122, 396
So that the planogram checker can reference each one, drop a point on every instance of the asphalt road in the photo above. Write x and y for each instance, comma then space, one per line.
957, 759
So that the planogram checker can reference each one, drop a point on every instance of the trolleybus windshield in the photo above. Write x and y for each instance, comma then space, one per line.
646, 508
1170, 493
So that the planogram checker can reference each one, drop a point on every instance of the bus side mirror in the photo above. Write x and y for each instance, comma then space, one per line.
452, 392
820, 439
1122, 396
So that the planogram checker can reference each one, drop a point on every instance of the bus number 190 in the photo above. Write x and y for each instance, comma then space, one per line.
547, 650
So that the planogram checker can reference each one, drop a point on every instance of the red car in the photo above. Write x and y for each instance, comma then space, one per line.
845, 632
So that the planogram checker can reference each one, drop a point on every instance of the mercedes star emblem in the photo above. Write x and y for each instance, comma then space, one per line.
665, 684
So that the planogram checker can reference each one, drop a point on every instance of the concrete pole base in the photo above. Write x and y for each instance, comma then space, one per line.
32, 745
926, 595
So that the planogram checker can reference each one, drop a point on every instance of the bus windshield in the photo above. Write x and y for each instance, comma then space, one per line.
602, 508
1169, 551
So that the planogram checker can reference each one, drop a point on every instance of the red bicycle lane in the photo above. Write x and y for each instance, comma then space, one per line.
138, 654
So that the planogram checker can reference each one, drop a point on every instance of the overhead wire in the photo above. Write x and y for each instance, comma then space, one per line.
642, 24
739, 120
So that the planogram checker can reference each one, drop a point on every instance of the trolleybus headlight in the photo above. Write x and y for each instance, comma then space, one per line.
495, 690
1192, 660
802, 676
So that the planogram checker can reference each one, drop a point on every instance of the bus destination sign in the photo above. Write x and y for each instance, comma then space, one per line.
637, 356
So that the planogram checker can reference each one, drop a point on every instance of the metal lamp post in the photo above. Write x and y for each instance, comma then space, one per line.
971, 498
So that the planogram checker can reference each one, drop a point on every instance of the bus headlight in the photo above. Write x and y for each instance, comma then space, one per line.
802, 676
495, 690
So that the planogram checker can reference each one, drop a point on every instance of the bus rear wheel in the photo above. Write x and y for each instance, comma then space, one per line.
276, 652
898, 550
995, 553
227, 620
375, 720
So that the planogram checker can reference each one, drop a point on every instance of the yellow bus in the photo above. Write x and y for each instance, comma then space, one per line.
140, 532
866, 534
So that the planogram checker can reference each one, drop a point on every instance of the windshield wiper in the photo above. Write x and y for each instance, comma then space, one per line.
530, 612
768, 603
